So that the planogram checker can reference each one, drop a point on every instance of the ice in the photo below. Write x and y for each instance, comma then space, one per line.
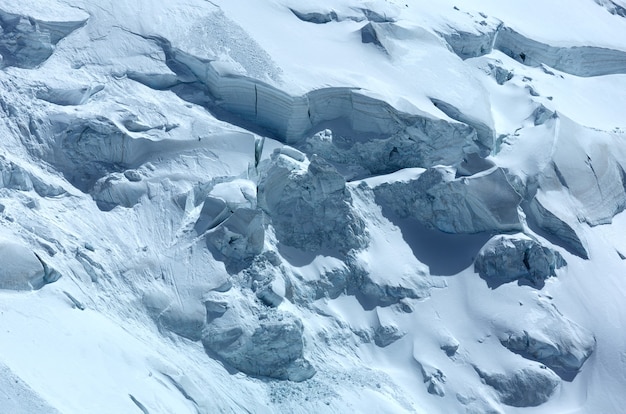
527, 387
26, 40
21, 268
576, 60
483, 202
287, 206
290, 190
549, 338
268, 343
240, 236
508, 258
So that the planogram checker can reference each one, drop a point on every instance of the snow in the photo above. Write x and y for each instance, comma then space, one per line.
217, 206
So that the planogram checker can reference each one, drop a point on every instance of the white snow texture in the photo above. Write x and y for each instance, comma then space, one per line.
286, 206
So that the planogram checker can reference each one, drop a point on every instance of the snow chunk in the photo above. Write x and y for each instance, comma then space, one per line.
483, 202
22, 269
526, 387
258, 343
310, 208
240, 236
67, 96
548, 337
507, 258
15, 177
26, 41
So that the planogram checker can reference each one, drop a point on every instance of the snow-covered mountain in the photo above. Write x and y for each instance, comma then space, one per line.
312, 207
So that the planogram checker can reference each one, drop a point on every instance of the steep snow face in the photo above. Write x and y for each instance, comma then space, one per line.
286, 206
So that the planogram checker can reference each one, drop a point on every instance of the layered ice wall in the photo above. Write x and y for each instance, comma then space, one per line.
290, 207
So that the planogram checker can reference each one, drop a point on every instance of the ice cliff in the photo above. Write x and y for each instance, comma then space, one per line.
374, 206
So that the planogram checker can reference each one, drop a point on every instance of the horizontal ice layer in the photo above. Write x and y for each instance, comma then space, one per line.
575, 60
267, 109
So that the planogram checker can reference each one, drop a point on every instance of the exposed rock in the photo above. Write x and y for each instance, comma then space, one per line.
483, 202
261, 344
310, 206
505, 259
526, 387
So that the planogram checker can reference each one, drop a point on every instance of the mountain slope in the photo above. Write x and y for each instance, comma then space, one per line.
376, 206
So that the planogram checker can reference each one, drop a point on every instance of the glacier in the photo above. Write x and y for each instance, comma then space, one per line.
286, 206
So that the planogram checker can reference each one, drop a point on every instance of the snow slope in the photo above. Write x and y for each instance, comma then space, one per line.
287, 206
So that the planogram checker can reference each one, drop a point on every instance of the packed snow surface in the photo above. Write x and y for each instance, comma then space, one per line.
289, 206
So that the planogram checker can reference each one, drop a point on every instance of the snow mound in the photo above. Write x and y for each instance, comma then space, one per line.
527, 387
22, 269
